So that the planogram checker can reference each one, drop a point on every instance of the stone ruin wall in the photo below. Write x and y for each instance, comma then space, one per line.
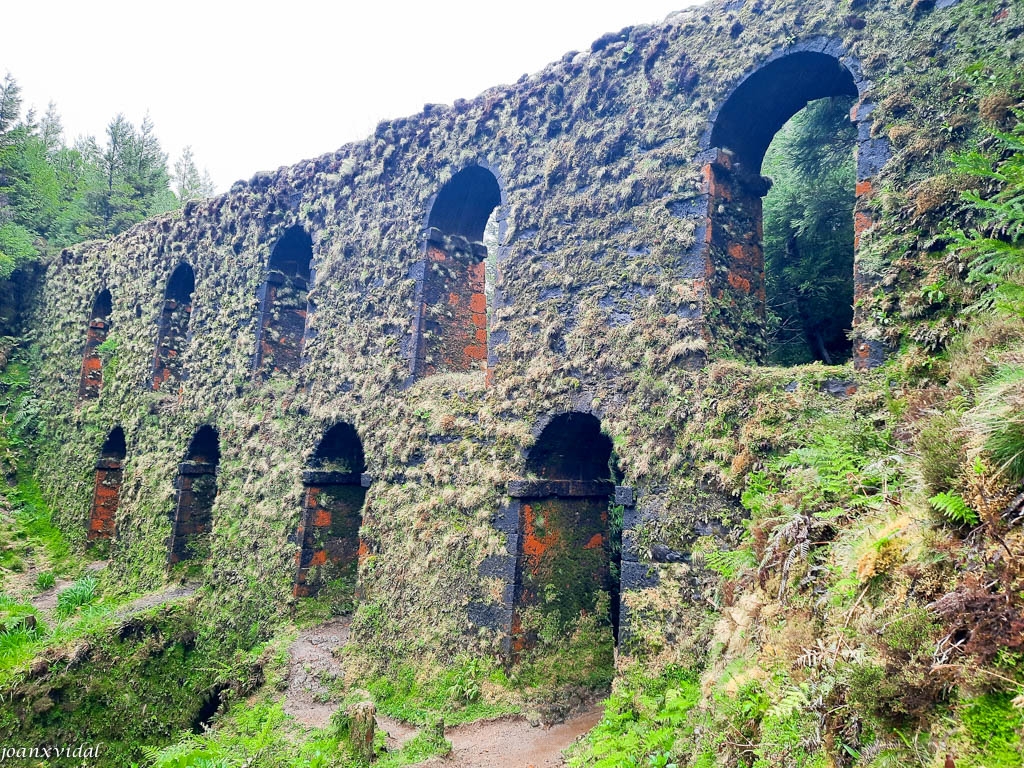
623, 265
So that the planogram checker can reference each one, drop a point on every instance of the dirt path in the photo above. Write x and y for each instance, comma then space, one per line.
311, 667
158, 598
509, 742
513, 743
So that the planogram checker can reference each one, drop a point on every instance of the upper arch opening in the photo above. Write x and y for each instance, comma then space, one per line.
768, 98
292, 253
464, 204
341, 449
204, 447
181, 284
114, 446
102, 306
572, 447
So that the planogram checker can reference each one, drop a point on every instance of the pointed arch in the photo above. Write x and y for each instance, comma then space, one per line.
284, 303
334, 494
172, 329
106, 495
98, 328
196, 485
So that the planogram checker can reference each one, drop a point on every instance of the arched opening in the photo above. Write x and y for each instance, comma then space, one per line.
451, 327
91, 380
284, 303
172, 328
107, 487
792, 303
192, 518
808, 235
567, 572
327, 562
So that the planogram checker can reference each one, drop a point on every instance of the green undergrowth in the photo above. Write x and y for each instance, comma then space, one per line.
467, 690
124, 683
258, 732
643, 719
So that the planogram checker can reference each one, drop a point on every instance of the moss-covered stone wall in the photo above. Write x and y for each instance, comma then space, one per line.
608, 300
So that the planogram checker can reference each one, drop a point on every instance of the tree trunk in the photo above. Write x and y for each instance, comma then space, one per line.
361, 728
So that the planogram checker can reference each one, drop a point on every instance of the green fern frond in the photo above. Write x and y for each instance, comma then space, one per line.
954, 508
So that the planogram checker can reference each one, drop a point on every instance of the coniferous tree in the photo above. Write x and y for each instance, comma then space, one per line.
189, 183
133, 178
808, 235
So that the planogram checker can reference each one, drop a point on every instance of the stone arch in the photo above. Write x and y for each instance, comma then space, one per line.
334, 493
284, 303
172, 328
91, 380
465, 202
734, 147
196, 485
567, 548
450, 328
107, 487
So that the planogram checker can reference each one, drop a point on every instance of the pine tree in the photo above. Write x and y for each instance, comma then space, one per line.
189, 183
808, 234
134, 182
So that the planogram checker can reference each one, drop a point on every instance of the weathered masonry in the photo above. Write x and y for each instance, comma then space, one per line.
172, 330
334, 491
192, 517
96, 333
507, 311
564, 539
283, 304
107, 487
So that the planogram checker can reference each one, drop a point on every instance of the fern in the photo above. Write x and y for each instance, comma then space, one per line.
795, 699
953, 507
995, 253
729, 562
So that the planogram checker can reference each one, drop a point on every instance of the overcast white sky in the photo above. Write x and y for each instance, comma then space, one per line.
253, 86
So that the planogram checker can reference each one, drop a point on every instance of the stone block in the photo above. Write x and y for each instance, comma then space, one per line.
638, 576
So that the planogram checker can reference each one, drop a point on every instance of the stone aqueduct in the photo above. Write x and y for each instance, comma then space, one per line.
261, 371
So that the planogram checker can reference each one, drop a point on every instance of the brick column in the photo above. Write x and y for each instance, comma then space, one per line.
105, 499
192, 518
92, 366
450, 328
328, 534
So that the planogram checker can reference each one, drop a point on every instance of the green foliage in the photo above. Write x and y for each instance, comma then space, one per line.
999, 418
941, 446
16, 639
253, 734
641, 723
79, 594
45, 580
407, 692
994, 727
995, 249
730, 562
954, 508
808, 234
52, 196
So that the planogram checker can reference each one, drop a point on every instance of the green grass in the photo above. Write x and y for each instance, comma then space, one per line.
79, 594
262, 734
45, 580
454, 694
